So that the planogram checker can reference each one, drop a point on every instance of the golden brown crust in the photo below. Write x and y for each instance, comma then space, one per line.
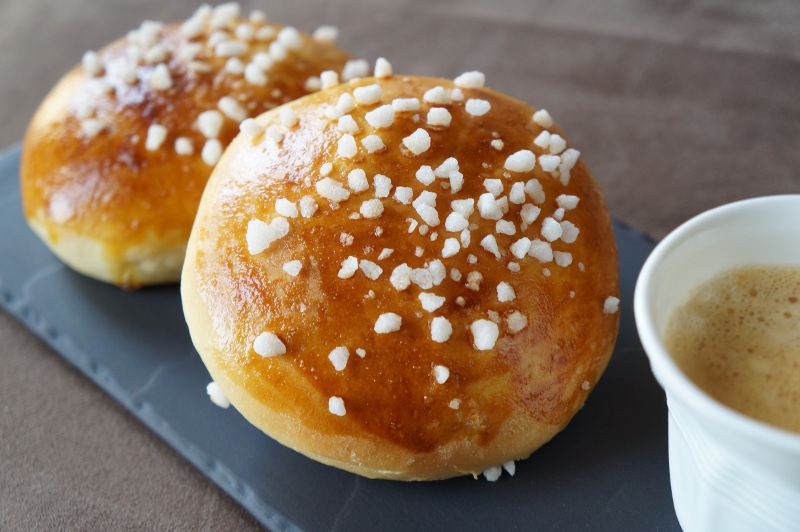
399, 422
107, 192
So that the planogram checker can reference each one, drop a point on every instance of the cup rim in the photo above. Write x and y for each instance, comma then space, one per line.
662, 364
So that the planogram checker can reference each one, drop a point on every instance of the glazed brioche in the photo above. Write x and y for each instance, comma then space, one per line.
404, 277
116, 158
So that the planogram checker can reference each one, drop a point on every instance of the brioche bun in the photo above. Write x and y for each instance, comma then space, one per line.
325, 295
116, 158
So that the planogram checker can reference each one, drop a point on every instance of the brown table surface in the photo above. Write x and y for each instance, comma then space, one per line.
677, 106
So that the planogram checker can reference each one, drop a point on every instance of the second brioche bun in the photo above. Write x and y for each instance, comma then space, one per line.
404, 277
116, 158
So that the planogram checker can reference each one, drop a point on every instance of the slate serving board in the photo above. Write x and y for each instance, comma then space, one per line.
606, 471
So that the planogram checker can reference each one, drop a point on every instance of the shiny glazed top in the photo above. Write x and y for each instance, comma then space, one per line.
86, 165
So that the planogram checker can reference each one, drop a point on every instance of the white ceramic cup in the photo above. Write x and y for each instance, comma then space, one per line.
728, 471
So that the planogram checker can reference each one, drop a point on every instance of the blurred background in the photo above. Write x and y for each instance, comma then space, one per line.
677, 106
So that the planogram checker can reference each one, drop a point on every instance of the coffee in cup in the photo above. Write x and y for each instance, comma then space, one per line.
738, 339
728, 470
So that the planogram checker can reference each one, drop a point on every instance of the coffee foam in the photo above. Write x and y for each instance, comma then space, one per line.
738, 338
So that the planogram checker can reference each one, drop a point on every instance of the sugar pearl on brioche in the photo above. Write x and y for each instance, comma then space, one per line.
116, 158
470, 282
